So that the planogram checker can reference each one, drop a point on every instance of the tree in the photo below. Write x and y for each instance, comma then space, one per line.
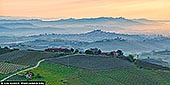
131, 58
112, 53
15, 49
38, 76
72, 50
6, 48
76, 51
99, 51
88, 52
120, 53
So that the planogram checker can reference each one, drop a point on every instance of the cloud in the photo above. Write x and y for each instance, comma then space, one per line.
153, 9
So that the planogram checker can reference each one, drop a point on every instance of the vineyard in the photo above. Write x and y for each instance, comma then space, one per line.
5, 50
80, 70
29, 58
92, 62
7, 68
55, 74
14, 61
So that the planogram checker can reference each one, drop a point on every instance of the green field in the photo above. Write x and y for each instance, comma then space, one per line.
55, 74
14, 61
2, 76
104, 70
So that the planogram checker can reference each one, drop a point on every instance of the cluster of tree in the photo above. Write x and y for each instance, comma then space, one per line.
93, 51
131, 58
120, 54
6, 49
74, 50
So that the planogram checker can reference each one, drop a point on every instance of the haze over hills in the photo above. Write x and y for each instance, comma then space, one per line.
74, 26
129, 35
85, 42
28, 39
106, 41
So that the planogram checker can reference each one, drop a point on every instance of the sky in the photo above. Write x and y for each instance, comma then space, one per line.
150, 9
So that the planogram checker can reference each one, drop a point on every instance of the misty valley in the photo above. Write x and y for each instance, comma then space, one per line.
76, 50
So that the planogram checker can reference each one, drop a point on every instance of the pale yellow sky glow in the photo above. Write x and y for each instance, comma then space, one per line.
151, 9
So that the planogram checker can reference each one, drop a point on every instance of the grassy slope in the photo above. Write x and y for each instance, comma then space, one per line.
53, 74
23, 59
2, 76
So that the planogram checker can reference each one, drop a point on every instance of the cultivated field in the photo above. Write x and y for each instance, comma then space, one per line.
3, 76
87, 70
14, 61
7, 68
25, 57
55, 74
4, 50
92, 62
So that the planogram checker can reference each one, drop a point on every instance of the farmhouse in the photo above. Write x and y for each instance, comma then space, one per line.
115, 53
104, 53
29, 75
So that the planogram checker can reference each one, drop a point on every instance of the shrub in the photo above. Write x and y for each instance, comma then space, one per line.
88, 52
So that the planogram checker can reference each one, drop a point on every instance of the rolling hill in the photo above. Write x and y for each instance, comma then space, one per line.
29, 58
4, 29
73, 26
80, 69
92, 62
55, 74
15, 60
106, 41
157, 57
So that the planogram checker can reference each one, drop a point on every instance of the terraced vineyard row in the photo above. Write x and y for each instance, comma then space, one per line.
6, 68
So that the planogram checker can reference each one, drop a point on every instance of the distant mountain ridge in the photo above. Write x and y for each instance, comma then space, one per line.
4, 18
74, 26
73, 20
95, 20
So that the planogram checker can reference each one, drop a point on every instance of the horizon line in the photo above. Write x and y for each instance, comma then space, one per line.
59, 18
